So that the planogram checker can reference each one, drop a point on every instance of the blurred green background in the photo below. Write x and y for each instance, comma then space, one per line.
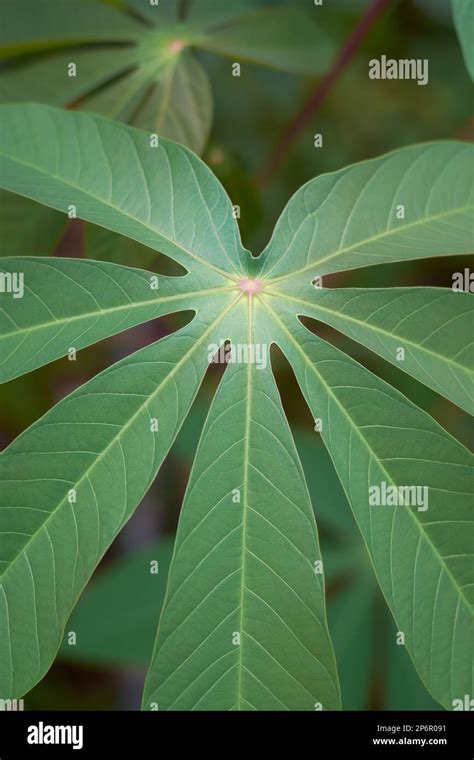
115, 620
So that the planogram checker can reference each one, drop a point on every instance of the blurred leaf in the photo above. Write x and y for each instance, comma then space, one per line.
28, 229
107, 636
165, 12
47, 80
463, 13
32, 25
206, 14
284, 38
103, 245
351, 622
180, 106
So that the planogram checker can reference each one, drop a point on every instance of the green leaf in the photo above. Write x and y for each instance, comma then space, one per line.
206, 14
353, 610
97, 300
47, 80
243, 626
105, 636
166, 12
290, 39
180, 105
144, 83
350, 218
244, 623
463, 14
422, 553
157, 213
433, 327
35, 25
73, 479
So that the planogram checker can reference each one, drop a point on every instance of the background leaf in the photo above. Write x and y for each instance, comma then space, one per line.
463, 13
104, 633
40, 24
285, 38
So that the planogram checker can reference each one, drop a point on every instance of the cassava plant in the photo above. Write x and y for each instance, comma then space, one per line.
136, 63
243, 624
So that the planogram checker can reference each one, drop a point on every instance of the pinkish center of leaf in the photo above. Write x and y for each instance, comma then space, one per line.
176, 46
250, 286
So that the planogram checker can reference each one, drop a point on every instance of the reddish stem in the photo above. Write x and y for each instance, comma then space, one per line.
317, 97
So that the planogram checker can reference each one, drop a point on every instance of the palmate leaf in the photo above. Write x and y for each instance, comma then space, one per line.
244, 623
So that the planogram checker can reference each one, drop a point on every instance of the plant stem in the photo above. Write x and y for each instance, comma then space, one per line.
318, 96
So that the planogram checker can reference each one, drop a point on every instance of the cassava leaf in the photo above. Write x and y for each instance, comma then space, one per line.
413, 203
243, 625
34, 25
48, 79
463, 14
433, 326
422, 553
206, 14
165, 12
180, 106
96, 300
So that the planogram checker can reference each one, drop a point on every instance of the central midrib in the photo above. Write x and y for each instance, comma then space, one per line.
113, 309
248, 412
